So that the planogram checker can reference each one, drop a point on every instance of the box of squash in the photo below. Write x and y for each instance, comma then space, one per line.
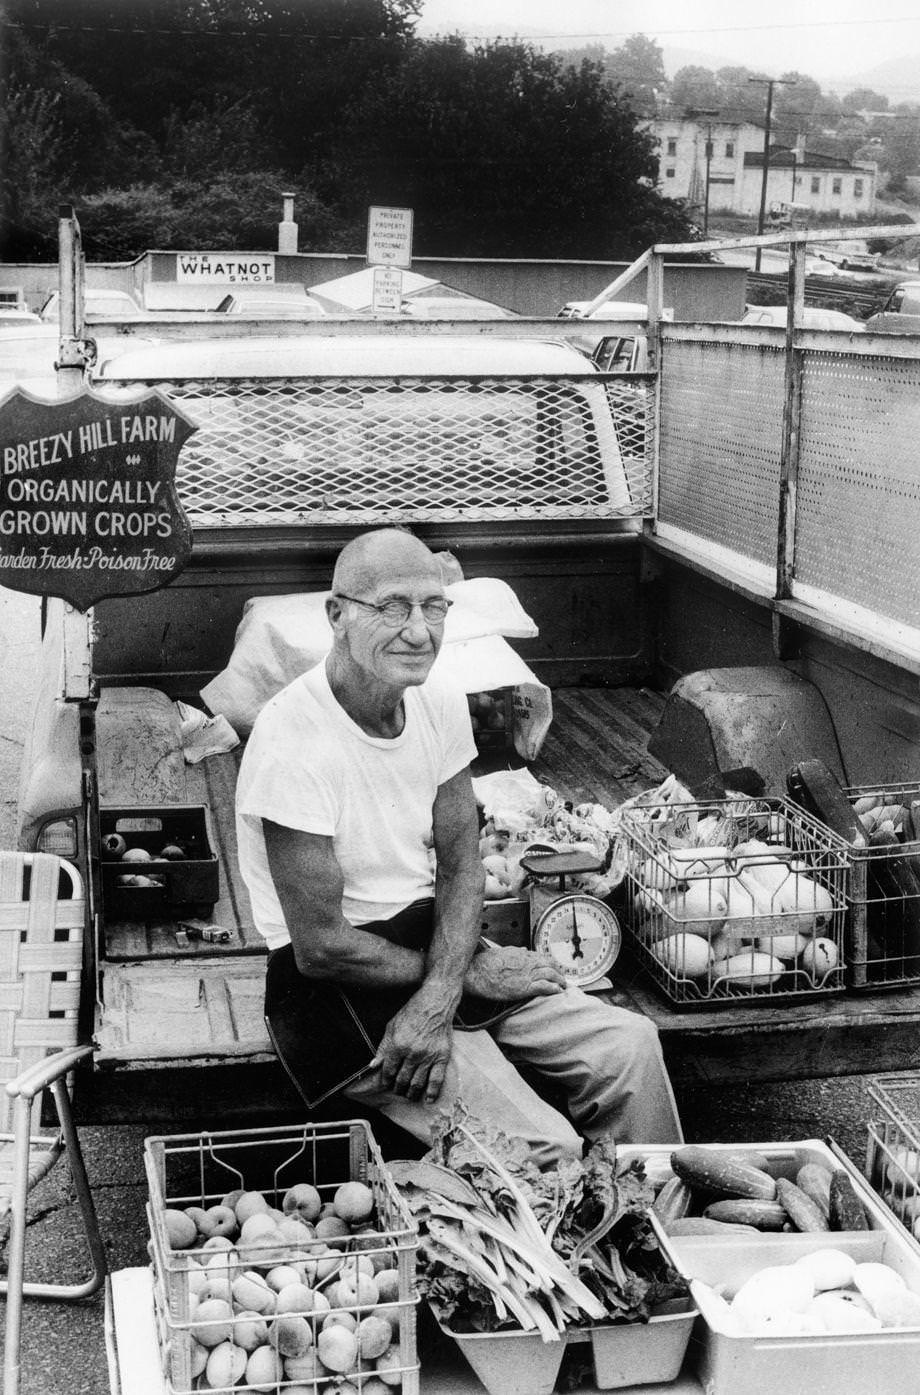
802, 1279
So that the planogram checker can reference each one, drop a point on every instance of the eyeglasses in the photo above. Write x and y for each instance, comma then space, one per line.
397, 611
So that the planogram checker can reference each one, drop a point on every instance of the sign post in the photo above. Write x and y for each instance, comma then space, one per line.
389, 250
88, 505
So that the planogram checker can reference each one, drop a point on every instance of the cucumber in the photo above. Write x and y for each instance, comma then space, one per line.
803, 1212
847, 1211
705, 1225
724, 1175
815, 1181
673, 1201
762, 1215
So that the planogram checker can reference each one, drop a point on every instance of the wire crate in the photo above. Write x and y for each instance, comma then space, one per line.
883, 922
893, 1148
200, 1170
738, 899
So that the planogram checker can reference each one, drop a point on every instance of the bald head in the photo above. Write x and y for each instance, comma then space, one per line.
380, 556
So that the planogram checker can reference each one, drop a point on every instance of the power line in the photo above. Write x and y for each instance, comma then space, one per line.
724, 29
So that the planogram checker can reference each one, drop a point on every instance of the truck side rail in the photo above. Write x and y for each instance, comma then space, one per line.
788, 465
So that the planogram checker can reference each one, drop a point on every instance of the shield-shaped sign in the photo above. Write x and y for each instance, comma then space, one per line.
88, 503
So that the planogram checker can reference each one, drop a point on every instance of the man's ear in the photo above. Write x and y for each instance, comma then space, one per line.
335, 611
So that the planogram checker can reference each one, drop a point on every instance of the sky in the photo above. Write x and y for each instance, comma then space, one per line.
827, 39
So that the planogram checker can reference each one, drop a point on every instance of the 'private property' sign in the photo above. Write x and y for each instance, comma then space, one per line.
88, 505
389, 237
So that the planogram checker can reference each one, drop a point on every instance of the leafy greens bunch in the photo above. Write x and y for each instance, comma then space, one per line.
506, 1245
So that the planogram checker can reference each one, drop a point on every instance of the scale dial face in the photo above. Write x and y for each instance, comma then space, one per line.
582, 935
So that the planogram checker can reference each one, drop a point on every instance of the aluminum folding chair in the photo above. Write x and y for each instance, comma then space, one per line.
42, 913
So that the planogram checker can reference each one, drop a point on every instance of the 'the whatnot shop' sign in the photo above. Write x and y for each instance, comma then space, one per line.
225, 268
88, 505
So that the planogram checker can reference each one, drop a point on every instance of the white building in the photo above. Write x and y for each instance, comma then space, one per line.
821, 183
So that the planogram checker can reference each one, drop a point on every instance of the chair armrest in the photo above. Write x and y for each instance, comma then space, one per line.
31, 1082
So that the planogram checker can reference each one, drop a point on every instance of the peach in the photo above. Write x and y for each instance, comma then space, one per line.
303, 1201
213, 1322
264, 1369
388, 1367
250, 1330
387, 1285
181, 1230
248, 1204
353, 1202
291, 1335
225, 1366
337, 1348
343, 1319
283, 1275
374, 1337
251, 1291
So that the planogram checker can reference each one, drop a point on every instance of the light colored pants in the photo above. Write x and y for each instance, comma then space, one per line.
605, 1059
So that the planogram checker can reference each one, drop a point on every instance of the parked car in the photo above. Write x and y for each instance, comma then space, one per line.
279, 300
99, 304
813, 317
454, 307
13, 315
901, 312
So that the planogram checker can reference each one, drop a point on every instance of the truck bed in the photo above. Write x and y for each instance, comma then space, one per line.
170, 1008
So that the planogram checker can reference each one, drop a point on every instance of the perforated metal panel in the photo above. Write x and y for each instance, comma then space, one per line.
858, 509
720, 441
389, 449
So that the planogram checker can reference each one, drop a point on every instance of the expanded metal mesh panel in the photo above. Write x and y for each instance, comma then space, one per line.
858, 505
719, 444
390, 449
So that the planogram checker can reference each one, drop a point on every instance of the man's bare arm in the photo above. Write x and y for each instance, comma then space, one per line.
309, 884
416, 1046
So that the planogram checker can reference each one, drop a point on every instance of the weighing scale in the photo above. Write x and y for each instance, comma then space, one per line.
579, 931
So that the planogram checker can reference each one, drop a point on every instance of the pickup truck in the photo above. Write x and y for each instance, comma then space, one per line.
730, 571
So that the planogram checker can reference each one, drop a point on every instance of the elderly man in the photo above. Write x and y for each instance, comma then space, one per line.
358, 841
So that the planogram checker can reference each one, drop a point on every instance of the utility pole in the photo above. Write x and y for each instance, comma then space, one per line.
696, 113
769, 83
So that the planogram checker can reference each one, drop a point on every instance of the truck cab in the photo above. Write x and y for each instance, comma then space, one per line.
901, 312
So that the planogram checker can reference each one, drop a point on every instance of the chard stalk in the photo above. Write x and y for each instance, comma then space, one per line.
527, 1216
547, 1328
540, 1257
486, 1274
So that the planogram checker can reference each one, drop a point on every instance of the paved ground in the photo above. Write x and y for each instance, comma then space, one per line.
63, 1348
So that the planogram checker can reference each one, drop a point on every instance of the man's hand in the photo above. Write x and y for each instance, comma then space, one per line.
415, 1048
504, 975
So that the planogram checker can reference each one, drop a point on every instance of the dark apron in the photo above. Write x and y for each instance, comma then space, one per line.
326, 1036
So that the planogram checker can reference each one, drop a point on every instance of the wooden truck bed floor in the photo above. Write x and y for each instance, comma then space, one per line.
183, 1008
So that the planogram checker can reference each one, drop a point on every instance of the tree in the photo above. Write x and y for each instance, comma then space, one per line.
148, 59
742, 100
863, 99
637, 66
503, 151
695, 89
30, 147
228, 210
796, 107
900, 153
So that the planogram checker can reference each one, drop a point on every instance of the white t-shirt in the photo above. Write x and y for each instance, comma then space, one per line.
308, 766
